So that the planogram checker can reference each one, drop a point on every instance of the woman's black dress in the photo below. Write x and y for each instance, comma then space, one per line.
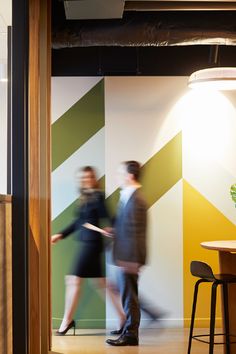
88, 263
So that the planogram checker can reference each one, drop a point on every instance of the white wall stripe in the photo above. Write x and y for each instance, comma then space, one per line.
64, 189
212, 181
66, 91
140, 119
209, 143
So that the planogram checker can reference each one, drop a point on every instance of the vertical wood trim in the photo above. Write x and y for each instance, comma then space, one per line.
5, 275
31, 175
34, 179
9, 115
45, 175
39, 176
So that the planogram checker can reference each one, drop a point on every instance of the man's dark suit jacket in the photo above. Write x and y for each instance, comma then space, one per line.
130, 231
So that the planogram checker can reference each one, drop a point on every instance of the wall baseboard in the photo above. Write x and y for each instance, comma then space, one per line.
203, 322
82, 324
145, 323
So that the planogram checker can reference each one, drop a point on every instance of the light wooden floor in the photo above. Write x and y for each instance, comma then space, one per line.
152, 341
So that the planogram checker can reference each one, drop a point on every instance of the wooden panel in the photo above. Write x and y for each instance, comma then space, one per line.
228, 266
34, 191
5, 275
227, 262
39, 175
45, 176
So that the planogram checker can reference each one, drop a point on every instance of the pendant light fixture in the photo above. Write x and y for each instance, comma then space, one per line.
215, 77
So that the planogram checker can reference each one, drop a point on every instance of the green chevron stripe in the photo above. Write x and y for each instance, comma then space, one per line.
78, 124
159, 174
163, 170
112, 201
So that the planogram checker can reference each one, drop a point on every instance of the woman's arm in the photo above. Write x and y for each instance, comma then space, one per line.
69, 229
55, 238
64, 233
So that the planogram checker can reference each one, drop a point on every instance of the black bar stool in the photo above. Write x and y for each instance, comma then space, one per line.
204, 272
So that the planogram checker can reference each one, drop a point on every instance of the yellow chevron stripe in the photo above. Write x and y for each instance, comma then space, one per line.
201, 222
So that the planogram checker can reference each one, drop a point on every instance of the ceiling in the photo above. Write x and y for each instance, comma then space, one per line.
117, 10
93, 25
139, 37
103, 9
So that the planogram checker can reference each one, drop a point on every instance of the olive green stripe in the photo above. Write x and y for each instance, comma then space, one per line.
159, 174
162, 171
78, 124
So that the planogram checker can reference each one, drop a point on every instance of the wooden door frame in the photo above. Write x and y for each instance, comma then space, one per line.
31, 169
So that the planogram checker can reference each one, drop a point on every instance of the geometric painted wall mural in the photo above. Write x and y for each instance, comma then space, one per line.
77, 140
187, 153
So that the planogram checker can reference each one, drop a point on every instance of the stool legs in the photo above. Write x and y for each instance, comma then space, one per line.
193, 314
213, 314
226, 317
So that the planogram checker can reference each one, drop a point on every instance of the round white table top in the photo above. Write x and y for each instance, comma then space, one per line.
226, 246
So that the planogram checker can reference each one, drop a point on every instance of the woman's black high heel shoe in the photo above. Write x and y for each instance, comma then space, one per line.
70, 325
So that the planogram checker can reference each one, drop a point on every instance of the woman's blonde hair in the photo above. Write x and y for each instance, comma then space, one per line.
92, 170
88, 194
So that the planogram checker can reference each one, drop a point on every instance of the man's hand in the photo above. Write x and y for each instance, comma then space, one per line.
108, 231
129, 267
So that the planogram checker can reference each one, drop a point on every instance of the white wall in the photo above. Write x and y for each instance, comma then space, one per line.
3, 99
3, 138
142, 116
139, 122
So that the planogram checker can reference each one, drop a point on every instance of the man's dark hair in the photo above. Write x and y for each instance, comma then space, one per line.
134, 168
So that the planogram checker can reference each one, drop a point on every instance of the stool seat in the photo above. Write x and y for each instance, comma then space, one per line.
221, 278
228, 278
205, 274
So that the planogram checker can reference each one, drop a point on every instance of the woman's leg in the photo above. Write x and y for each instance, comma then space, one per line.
103, 283
73, 285
116, 301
